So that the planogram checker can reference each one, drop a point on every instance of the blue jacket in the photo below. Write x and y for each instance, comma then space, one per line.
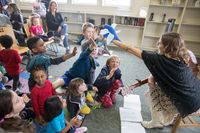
84, 67
102, 83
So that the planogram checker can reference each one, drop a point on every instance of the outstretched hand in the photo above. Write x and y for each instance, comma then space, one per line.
93, 44
74, 52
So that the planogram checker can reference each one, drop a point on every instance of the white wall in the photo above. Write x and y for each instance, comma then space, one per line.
134, 10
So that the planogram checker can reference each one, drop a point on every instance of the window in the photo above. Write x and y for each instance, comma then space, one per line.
85, 2
29, 1
119, 3
61, 1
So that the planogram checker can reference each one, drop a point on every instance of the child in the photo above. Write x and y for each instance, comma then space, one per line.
36, 29
76, 98
3, 79
84, 67
40, 92
88, 32
36, 45
54, 115
109, 81
10, 107
11, 62
177, 89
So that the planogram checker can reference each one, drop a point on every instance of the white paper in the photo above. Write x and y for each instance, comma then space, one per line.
127, 127
132, 101
130, 115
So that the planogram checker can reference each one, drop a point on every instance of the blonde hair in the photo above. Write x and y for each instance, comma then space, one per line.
174, 47
87, 25
113, 57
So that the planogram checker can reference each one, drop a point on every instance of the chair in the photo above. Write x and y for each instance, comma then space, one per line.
8, 30
186, 122
51, 45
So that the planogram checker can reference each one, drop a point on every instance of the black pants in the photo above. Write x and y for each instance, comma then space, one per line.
15, 79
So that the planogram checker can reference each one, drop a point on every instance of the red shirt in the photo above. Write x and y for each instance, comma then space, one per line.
39, 95
11, 61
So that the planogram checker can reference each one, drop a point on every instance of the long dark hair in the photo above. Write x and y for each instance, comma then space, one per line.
52, 108
12, 124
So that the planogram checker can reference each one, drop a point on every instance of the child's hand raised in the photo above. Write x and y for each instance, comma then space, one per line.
93, 44
112, 71
74, 121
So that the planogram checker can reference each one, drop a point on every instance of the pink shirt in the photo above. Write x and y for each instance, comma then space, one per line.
36, 30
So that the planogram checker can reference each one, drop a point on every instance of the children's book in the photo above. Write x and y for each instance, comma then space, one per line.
128, 127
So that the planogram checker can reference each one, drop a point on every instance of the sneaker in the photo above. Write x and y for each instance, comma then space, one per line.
81, 130
85, 110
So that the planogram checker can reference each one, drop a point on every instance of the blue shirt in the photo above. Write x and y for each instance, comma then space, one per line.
57, 124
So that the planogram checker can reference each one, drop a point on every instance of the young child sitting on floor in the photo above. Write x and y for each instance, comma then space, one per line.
36, 28
76, 99
84, 67
11, 60
109, 81
40, 92
36, 45
55, 118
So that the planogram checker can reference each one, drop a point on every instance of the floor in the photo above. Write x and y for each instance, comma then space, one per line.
108, 120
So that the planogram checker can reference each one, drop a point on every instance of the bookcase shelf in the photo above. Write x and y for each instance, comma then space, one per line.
187, 23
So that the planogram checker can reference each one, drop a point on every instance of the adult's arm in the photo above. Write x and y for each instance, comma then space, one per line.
135, 51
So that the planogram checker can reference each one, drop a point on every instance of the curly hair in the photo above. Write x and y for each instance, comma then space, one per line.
174, 47
6, 41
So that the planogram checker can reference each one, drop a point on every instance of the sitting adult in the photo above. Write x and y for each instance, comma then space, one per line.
17, 22
56, 25
10, 107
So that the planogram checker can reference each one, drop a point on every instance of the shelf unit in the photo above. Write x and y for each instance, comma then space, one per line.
187, 23
128, 25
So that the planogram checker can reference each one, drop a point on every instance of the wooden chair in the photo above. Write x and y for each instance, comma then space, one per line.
186, 122
8, 30
51, 45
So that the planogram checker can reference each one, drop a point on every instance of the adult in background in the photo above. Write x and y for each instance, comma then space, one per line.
17, 22
3, 7
56, 25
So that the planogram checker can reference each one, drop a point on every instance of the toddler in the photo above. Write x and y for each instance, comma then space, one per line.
11, 62
40, 92
54, 115
76, 98
36, 28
